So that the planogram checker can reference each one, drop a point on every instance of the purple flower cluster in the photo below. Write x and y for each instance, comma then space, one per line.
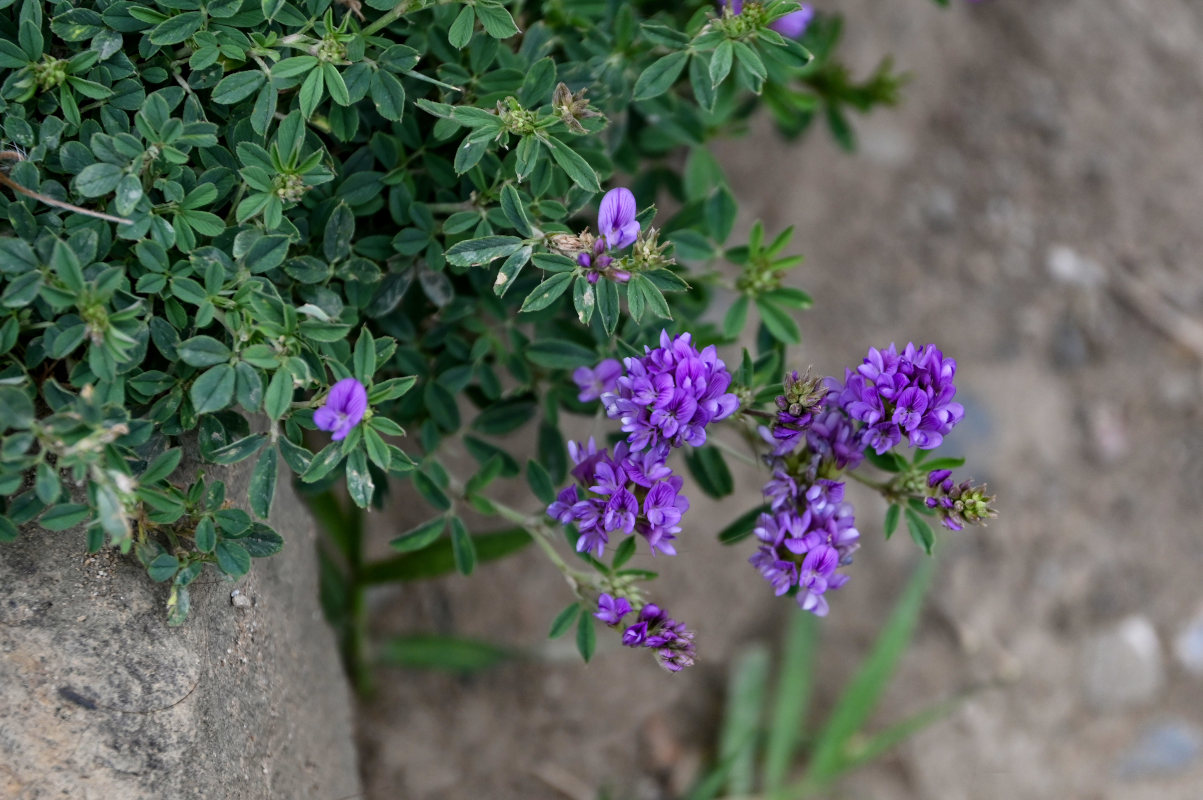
895, 394
617, 227
670, 394
653, 628
808, 535
624, 492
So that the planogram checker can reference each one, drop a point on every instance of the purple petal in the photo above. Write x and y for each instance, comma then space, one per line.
617, 212
794, 24
326, 418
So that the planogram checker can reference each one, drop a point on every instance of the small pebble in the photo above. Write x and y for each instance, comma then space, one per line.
1163, 749
1064, 264
239, 600
1188, 646
1122, 666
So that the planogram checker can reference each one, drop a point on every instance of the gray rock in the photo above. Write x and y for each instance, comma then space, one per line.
100, 699
1122, 666
1163, 749
1188, 646
1066, 265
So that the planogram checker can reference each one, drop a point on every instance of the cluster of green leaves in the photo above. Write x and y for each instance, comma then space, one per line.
212, 211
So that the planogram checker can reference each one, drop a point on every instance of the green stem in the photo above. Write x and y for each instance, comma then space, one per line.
388, 18
880, 486
731, 451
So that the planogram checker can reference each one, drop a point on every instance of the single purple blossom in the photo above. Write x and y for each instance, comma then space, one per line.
345, 406
595, 382
616, 223
611, 610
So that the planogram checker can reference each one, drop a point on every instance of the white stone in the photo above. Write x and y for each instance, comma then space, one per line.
1122, 666
1068, 266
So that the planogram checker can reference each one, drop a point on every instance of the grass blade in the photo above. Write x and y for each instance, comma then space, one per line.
861, 695
894, 735
745, 703
794, 685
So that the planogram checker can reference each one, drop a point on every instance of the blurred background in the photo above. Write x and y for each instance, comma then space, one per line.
1032, 207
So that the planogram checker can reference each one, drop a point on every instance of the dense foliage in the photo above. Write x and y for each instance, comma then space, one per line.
213, 212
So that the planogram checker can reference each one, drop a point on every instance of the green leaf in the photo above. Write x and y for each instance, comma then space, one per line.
546, 292
364, 357
563, 621
510, 269
335, 84
214, 389
163, 568
262, 541
237, 86
742, 527
608, 305
946, 462
388, 95
262, 489
278, 397
63, 516
438, 559
888, 461
540, 482
235, 451
340, 229
559, 354
515, 212
736, 317
462, 548
720, 62
660, 75
233, 559
862, 693
795, 682
504, 417
576, 167
360, 484
460, 32
624, 551
496, 20
477, 252
586, 637
95, 180
892, 516
446, 653
203, 351
311, 93
709, 469
177, 29
779, 323
162, 467
420, 537
920, 531
205, 535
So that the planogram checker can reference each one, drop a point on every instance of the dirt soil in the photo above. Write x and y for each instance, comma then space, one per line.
1033, 208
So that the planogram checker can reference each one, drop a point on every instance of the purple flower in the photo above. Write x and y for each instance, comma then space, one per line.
345, 406
901, 394
611, 610
813, 579
804, 541
616, 223
671, 394
671, 640
621, 492
595, 382
795, 23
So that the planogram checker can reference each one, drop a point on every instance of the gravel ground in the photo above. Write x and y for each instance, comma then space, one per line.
1033, 208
